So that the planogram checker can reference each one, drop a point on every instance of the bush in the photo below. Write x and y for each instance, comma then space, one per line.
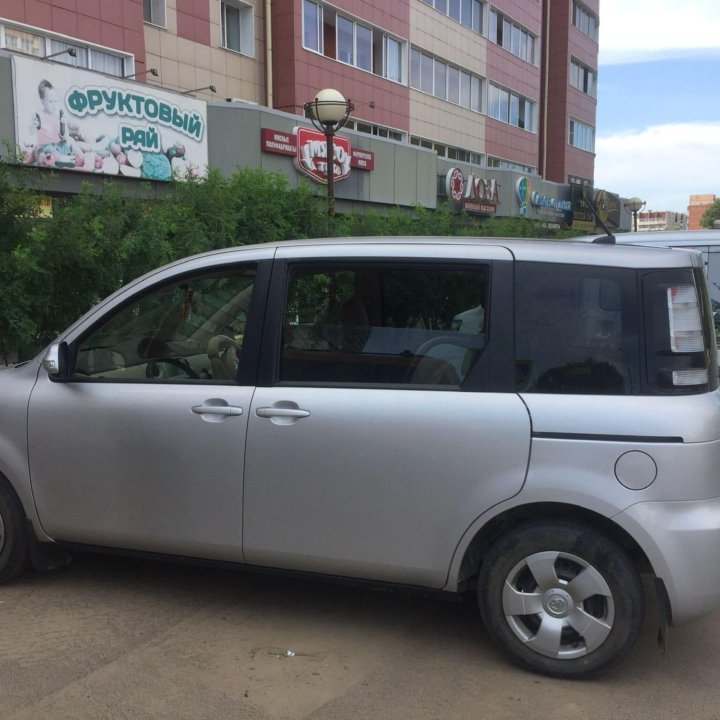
52, 270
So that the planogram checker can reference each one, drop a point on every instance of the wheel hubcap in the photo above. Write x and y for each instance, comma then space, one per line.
558, 604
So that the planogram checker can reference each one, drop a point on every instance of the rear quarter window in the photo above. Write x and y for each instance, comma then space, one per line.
576, 329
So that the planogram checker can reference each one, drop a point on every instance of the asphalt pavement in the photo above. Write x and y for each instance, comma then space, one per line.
111, 637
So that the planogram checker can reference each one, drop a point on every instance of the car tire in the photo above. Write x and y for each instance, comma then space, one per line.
13, 539
560, 598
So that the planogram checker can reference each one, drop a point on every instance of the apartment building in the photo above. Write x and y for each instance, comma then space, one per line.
661, 220
501, 89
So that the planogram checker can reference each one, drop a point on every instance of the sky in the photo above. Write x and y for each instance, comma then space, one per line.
658, 113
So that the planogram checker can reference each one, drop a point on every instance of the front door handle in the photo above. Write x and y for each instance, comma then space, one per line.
216, 410
281, 412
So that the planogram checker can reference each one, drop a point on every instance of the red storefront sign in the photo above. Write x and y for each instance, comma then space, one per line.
475, 195
309, 148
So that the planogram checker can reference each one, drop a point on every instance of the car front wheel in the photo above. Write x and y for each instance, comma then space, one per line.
560, 598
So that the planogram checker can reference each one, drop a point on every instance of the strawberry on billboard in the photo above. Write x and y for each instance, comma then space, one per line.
309, 150
75, 119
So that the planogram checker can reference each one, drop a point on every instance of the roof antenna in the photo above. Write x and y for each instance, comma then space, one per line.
608, 238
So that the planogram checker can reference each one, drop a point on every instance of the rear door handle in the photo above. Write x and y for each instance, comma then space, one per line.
281, 412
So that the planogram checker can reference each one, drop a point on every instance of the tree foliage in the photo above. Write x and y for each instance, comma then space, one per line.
54, 269
711, 214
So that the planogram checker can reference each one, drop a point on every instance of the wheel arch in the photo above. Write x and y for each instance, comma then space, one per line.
505, 521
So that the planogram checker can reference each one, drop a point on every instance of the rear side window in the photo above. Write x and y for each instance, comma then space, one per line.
383, 324
576, 329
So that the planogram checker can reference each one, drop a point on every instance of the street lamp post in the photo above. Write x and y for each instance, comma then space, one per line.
635, 205
329, 111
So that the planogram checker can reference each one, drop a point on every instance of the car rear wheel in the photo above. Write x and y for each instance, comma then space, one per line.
560, 598
13, 540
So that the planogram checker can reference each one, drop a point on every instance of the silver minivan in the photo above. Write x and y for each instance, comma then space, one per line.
535, 422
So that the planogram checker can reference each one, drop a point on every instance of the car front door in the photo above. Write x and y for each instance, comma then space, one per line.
387, 423
142, 445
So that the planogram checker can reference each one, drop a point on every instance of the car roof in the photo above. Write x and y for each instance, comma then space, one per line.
569, 251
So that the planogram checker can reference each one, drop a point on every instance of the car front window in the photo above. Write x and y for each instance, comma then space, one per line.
191, 329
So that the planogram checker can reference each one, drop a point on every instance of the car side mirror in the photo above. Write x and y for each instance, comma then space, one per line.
55, 361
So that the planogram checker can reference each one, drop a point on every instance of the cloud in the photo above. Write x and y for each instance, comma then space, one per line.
663, 164
657, 29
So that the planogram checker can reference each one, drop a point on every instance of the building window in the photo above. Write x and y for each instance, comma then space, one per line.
511, 36
86, 56
581, 135
25, 42
495, 162
342, 38
237, 20
378, 130
448, 151
154, 12
508, 107
447, 82
466, 12
312, 26
583, 78
393, 58
585, 20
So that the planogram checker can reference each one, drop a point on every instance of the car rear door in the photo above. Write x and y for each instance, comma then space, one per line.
384, 424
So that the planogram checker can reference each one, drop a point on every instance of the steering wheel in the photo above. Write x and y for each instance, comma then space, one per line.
223, 351
151, 368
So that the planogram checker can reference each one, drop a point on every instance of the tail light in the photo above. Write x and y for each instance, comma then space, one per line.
680, 338
686, 332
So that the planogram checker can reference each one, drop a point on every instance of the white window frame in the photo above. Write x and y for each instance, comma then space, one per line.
318, 30
463, 7
581, 135
387, 39
380, 42
246, 16
510, 107
585, 20
49, 42
582, 76
470, 86
515, 38
158, 13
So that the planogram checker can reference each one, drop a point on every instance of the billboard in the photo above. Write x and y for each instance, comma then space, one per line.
74, 119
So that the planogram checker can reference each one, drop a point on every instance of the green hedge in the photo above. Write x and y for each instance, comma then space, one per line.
54, 269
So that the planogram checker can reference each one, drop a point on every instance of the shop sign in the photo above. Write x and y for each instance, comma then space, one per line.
477, 195
550, 203
527, 197
455, 184
309, 148
75, 119
523, 191
483, 190
608, 205
583, 217
312, 158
